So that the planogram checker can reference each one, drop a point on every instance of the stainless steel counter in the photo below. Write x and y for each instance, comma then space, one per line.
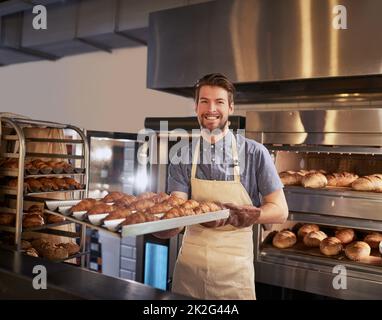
65, 281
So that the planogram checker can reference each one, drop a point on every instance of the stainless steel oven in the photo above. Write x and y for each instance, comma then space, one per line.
334, 141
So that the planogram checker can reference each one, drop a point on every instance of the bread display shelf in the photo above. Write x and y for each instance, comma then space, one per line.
299, 249
31, 174
13, 191
141, 228
42, 227
336, 191
12, 137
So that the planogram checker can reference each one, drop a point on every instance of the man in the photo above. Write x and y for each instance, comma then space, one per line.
216, 258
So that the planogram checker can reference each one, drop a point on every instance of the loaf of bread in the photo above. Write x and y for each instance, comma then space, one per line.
373, 239
313, 239
306, 228
345, 235
343, 179
357, 250
52, 218
368, 183
50, 250
71, 247
7, 219
31, 220
284, 239
291, 178
314, 180
331, 246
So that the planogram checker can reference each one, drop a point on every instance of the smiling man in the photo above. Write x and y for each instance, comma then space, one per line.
216, 258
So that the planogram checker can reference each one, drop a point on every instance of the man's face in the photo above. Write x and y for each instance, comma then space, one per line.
213, 108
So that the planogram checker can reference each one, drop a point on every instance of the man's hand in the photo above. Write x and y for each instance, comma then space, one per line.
242, 216
214, 224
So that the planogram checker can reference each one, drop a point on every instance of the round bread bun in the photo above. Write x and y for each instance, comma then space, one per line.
306, 228
331, 246
284, 239
314, 238
357, 250
345, 235
373, 239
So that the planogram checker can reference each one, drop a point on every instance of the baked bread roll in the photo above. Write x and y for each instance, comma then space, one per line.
313, 239
368, 183
119, 214
125, 201
191, 204
31, 220
343, 179
71, 247
142, 205
101, 208
113, 196
345, 235
284, 239
291, 178
357, 250
306, 228
146, 195
52, 218
314, 180
139, 217
83, 205
7, 219
331, 246
373, 239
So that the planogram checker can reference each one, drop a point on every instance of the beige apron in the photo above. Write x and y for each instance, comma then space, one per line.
216, 263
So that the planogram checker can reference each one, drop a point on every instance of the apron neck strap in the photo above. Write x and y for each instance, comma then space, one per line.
235, 158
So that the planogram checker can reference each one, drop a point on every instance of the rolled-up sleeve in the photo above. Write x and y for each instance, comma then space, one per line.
268, 178
178, 178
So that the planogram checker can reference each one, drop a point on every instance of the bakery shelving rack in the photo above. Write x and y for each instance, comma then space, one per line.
14, 145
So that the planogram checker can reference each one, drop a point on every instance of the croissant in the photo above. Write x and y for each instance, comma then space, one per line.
36, 209
146, 195
175, 201
61, 183
31, 220
213, 206
159, 208
343, 179
190, 204
314, 180
10, 163
33, 185
160, 197
174, 213
368, 183
119, 214
73, 182
125, 201
204, 207
142, 205
113, 196
83, 205
101, 208
139, 217
7, 219
48, 184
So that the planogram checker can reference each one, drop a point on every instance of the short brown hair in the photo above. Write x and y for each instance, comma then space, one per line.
218, 80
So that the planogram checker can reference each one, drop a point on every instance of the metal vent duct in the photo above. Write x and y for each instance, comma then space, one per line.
272, 50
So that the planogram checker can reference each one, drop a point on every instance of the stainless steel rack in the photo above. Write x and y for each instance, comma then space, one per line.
14, 133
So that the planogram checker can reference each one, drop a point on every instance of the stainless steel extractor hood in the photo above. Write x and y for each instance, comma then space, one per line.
273, 50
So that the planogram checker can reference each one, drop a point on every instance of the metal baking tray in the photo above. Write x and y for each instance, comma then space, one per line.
161, 225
